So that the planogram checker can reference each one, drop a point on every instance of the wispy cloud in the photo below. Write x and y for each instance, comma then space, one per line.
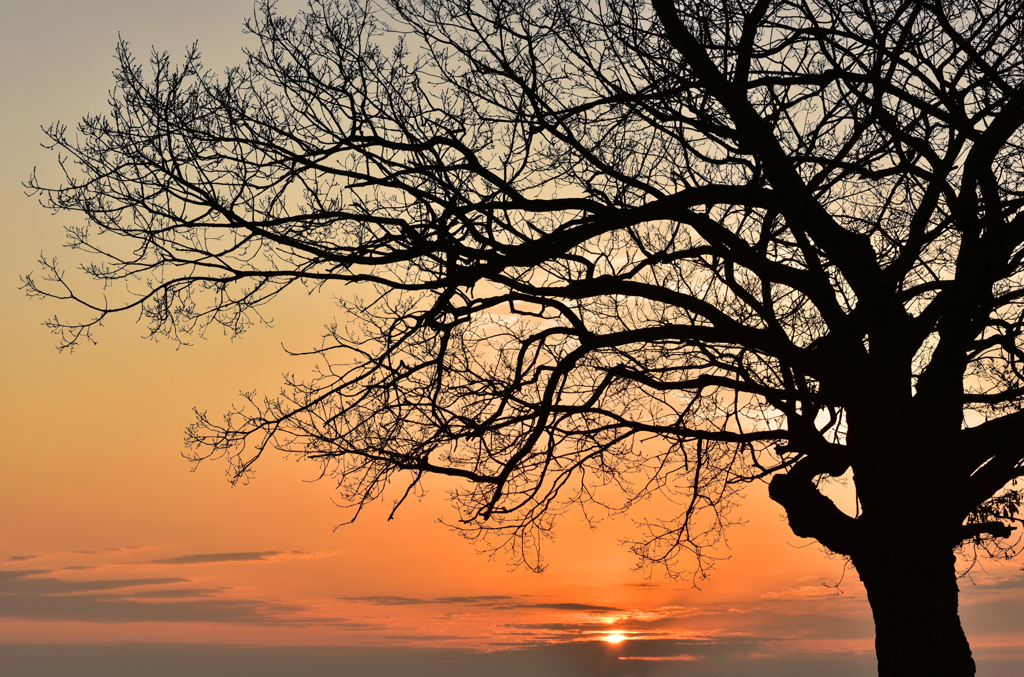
803, 592
109, 609
35, 594
571, 606
104, 551
1014, 582
77, 554
177, 593
218, 557
31, 581
389, 600
428, 638
478, 599
567, 628
502, 601
386, 600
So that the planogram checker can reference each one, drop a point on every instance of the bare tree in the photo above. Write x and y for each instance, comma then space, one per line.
607, 250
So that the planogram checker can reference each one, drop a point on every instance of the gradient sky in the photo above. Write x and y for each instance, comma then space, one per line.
115, 558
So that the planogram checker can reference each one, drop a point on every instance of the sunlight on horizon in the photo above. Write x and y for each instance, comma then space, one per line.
614, 639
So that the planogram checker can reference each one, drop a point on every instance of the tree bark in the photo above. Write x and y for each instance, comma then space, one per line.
914, 599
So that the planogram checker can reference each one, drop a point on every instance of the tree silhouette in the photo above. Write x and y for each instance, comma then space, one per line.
607, 249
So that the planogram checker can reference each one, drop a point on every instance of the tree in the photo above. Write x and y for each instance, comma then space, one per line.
608, 249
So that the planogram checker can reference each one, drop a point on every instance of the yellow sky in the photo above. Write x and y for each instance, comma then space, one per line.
106, 536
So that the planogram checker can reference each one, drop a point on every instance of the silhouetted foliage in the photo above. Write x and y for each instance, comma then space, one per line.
607, 250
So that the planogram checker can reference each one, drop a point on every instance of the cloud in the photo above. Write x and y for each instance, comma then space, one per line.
803, 592
104, 551
680, 657
571, 606
427, 638
502, 601
797, 619
29, 581
994, 615
485, 600
568, 629
696, 649
1012, 583
177, 593
99, 609
64, 553
20, 558
385, 600
391, 600
217, 557
31, 594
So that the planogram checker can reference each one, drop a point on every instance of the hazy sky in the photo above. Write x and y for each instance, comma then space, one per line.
116, 558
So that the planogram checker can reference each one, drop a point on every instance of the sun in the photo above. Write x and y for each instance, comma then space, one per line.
614, 639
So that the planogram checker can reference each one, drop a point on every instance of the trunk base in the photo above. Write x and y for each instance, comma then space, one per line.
914, 599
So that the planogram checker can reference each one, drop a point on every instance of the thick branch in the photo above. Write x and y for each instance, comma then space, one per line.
811, 514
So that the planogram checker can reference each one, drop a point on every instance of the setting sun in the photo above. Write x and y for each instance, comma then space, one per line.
614, 639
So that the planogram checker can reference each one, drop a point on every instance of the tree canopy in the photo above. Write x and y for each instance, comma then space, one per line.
605, 249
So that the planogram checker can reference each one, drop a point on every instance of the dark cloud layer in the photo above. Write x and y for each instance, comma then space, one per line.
31, 594
95, 609
578, 659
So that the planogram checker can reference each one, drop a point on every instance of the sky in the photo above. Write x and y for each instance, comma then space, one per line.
117, 556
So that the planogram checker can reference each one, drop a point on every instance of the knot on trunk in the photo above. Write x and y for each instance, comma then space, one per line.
810, 513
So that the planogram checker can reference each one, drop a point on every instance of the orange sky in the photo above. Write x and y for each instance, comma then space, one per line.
107, 537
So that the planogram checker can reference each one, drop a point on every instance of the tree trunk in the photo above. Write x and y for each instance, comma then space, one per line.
914, 598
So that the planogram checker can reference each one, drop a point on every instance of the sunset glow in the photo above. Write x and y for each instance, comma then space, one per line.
112, 542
